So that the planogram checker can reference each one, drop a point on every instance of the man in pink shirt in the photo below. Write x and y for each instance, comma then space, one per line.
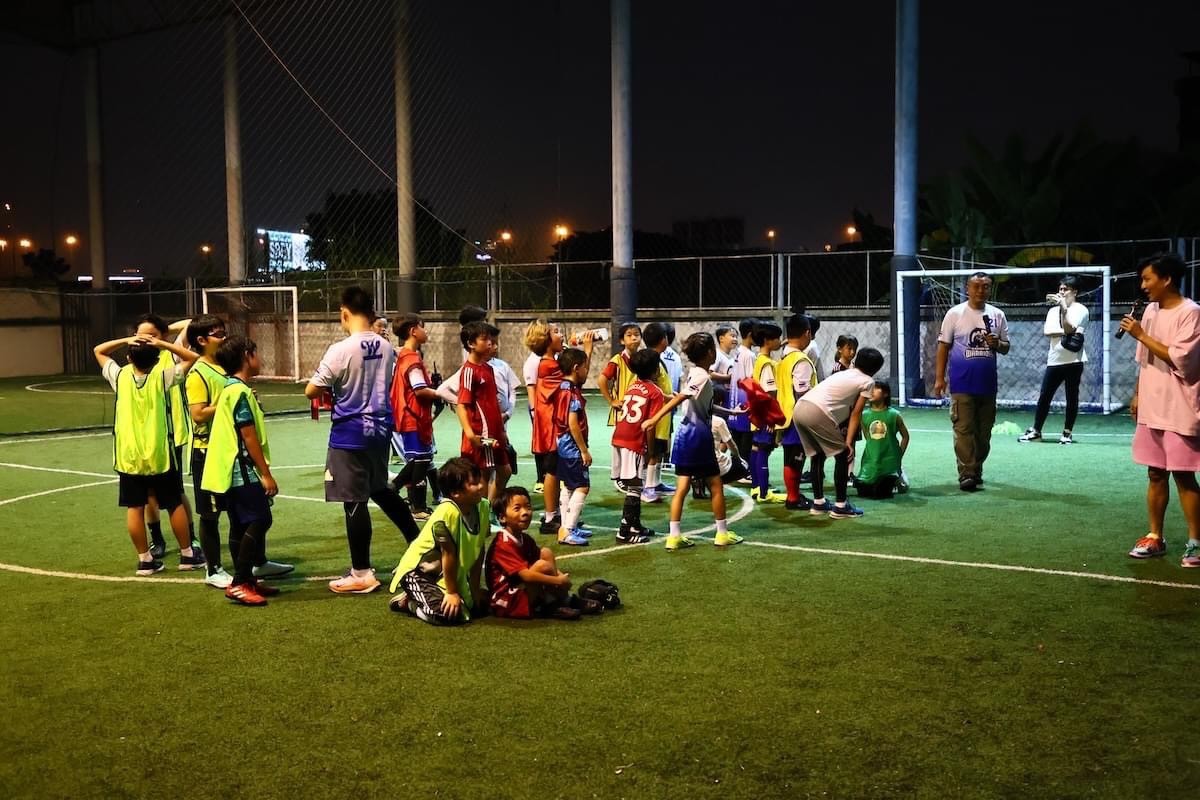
1166, 403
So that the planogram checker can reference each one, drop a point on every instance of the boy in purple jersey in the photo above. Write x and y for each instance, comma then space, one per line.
358, 371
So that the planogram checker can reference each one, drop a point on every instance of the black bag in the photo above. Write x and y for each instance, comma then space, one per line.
602, 592
1073, 341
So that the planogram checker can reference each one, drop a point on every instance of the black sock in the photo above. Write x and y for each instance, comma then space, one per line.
358, 534
236, 532
247, 552
416, 494
398, 512
432, 479
192, 541
156, 533
816, 469
405, 477
631, 512
539, 462
841, 475
210, 541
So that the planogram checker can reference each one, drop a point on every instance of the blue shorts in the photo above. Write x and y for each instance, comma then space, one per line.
694, 453
791, 436
572, 473
247, 504
764, 439
413, 448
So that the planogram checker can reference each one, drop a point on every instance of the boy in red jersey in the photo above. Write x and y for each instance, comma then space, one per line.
412, 410
484, 441
643, 399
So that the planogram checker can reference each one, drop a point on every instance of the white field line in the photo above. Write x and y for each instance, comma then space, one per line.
34, 439
56, 491
1073, 433
55, 469
36, 387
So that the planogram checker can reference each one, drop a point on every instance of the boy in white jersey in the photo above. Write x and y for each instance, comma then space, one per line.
358, 370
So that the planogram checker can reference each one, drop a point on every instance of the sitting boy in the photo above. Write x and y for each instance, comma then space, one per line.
523, 579
440, 571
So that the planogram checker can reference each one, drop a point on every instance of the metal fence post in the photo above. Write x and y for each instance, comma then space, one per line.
868, 305
700, 289
558, 286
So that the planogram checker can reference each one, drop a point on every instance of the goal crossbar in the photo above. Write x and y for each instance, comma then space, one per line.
1104, 271
295, 317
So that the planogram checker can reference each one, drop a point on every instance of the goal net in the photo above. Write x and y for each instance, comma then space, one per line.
1020, 293
267, 314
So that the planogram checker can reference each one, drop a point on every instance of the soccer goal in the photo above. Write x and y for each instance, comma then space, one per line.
267, 314
1021, 294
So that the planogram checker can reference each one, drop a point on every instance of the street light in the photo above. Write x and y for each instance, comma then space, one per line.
71, 240
506, 236
25, 244
561, 232
851, 230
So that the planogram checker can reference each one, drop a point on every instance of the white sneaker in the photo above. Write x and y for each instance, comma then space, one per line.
1066, 438
650, 495
219, 579
272, 569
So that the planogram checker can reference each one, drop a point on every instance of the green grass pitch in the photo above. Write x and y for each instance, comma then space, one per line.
889, 656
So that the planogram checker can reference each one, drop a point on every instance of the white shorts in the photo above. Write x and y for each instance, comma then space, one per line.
627, 465
818, 432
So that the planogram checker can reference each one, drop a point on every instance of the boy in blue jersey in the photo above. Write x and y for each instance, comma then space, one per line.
358, 371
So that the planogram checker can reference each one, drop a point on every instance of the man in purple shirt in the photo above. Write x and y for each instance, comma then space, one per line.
972, 334
358, 372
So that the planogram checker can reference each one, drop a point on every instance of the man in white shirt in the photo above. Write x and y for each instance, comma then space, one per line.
1065, 324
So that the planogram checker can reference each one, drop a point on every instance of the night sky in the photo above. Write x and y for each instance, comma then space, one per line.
778, 112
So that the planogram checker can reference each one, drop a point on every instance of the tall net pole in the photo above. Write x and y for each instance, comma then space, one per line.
623, 285
235, 224
904, 219
406, 234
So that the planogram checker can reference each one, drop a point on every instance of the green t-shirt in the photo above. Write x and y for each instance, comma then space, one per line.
881, 447
446, 527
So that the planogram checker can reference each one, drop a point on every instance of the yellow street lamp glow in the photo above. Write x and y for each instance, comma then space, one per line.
206, 249
828, 248
506, 236
771, 233
72, 240
3, 244
851, 230
561, 231
25, 244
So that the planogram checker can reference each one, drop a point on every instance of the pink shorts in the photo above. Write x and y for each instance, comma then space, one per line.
1166, 449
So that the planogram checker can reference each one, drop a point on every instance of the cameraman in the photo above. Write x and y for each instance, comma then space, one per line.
1065, 323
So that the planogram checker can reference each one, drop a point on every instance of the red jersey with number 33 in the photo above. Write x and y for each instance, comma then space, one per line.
642, 401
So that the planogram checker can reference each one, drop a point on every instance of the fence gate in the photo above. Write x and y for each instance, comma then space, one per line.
77, 347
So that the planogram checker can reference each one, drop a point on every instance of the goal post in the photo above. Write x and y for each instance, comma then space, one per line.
1019, 292
270, 315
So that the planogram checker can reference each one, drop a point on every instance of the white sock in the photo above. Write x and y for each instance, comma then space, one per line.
573, 509
186, 552
145, 557
675, 528
547, 516
653, 475
722, 526
361, 573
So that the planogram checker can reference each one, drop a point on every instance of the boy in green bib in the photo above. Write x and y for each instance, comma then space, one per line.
885, 438
439, 577
143, 456
238, 467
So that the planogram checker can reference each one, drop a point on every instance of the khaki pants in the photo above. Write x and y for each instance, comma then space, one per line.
973, 416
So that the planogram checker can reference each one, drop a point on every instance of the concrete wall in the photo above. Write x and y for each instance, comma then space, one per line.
32, 333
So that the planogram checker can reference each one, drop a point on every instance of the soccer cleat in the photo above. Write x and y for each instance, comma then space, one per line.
770, 496
727, 539
820, 507
265, 590
968, 484
679, 543
650, 495
399, 603
803, 504
194, 561
572, 537
1191, 555
245, 594
664, 488
348, 584
421, 514
747, 481
272, 569
633, 536
1149, 547
550, 526
158, 550
845, 512
1066, 438
1030, 435
902, 483
149, 567
219, 579
537, 488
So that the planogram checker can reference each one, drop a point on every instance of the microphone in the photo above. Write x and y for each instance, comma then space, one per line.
1136, 312
987, 324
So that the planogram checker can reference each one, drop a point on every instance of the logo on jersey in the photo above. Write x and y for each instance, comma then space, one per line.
371, 349
977, 345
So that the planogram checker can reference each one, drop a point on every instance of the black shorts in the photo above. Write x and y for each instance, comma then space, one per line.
550, 463
352, 476
206, 502
247, 504
882, 489
179, 466
134, 490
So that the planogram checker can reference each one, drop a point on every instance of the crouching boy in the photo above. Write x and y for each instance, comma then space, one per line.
438, 579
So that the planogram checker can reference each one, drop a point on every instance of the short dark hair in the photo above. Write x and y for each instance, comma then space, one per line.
569, 359
980, 275
144, 356
506, 497
403, 326
842, 341
472, 331
492, 330
645, 363
202, 326
746, 327
669, 327
1069, 281
471, 314
869, 360
764, 331
698, 345
1166, 265
886, 388
231, 355
454, 474
624, 326
814, 323
724, 329
155, 320
797, 326
358, 301
654, 334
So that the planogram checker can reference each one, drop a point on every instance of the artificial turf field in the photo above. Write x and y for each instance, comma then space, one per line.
887, 656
